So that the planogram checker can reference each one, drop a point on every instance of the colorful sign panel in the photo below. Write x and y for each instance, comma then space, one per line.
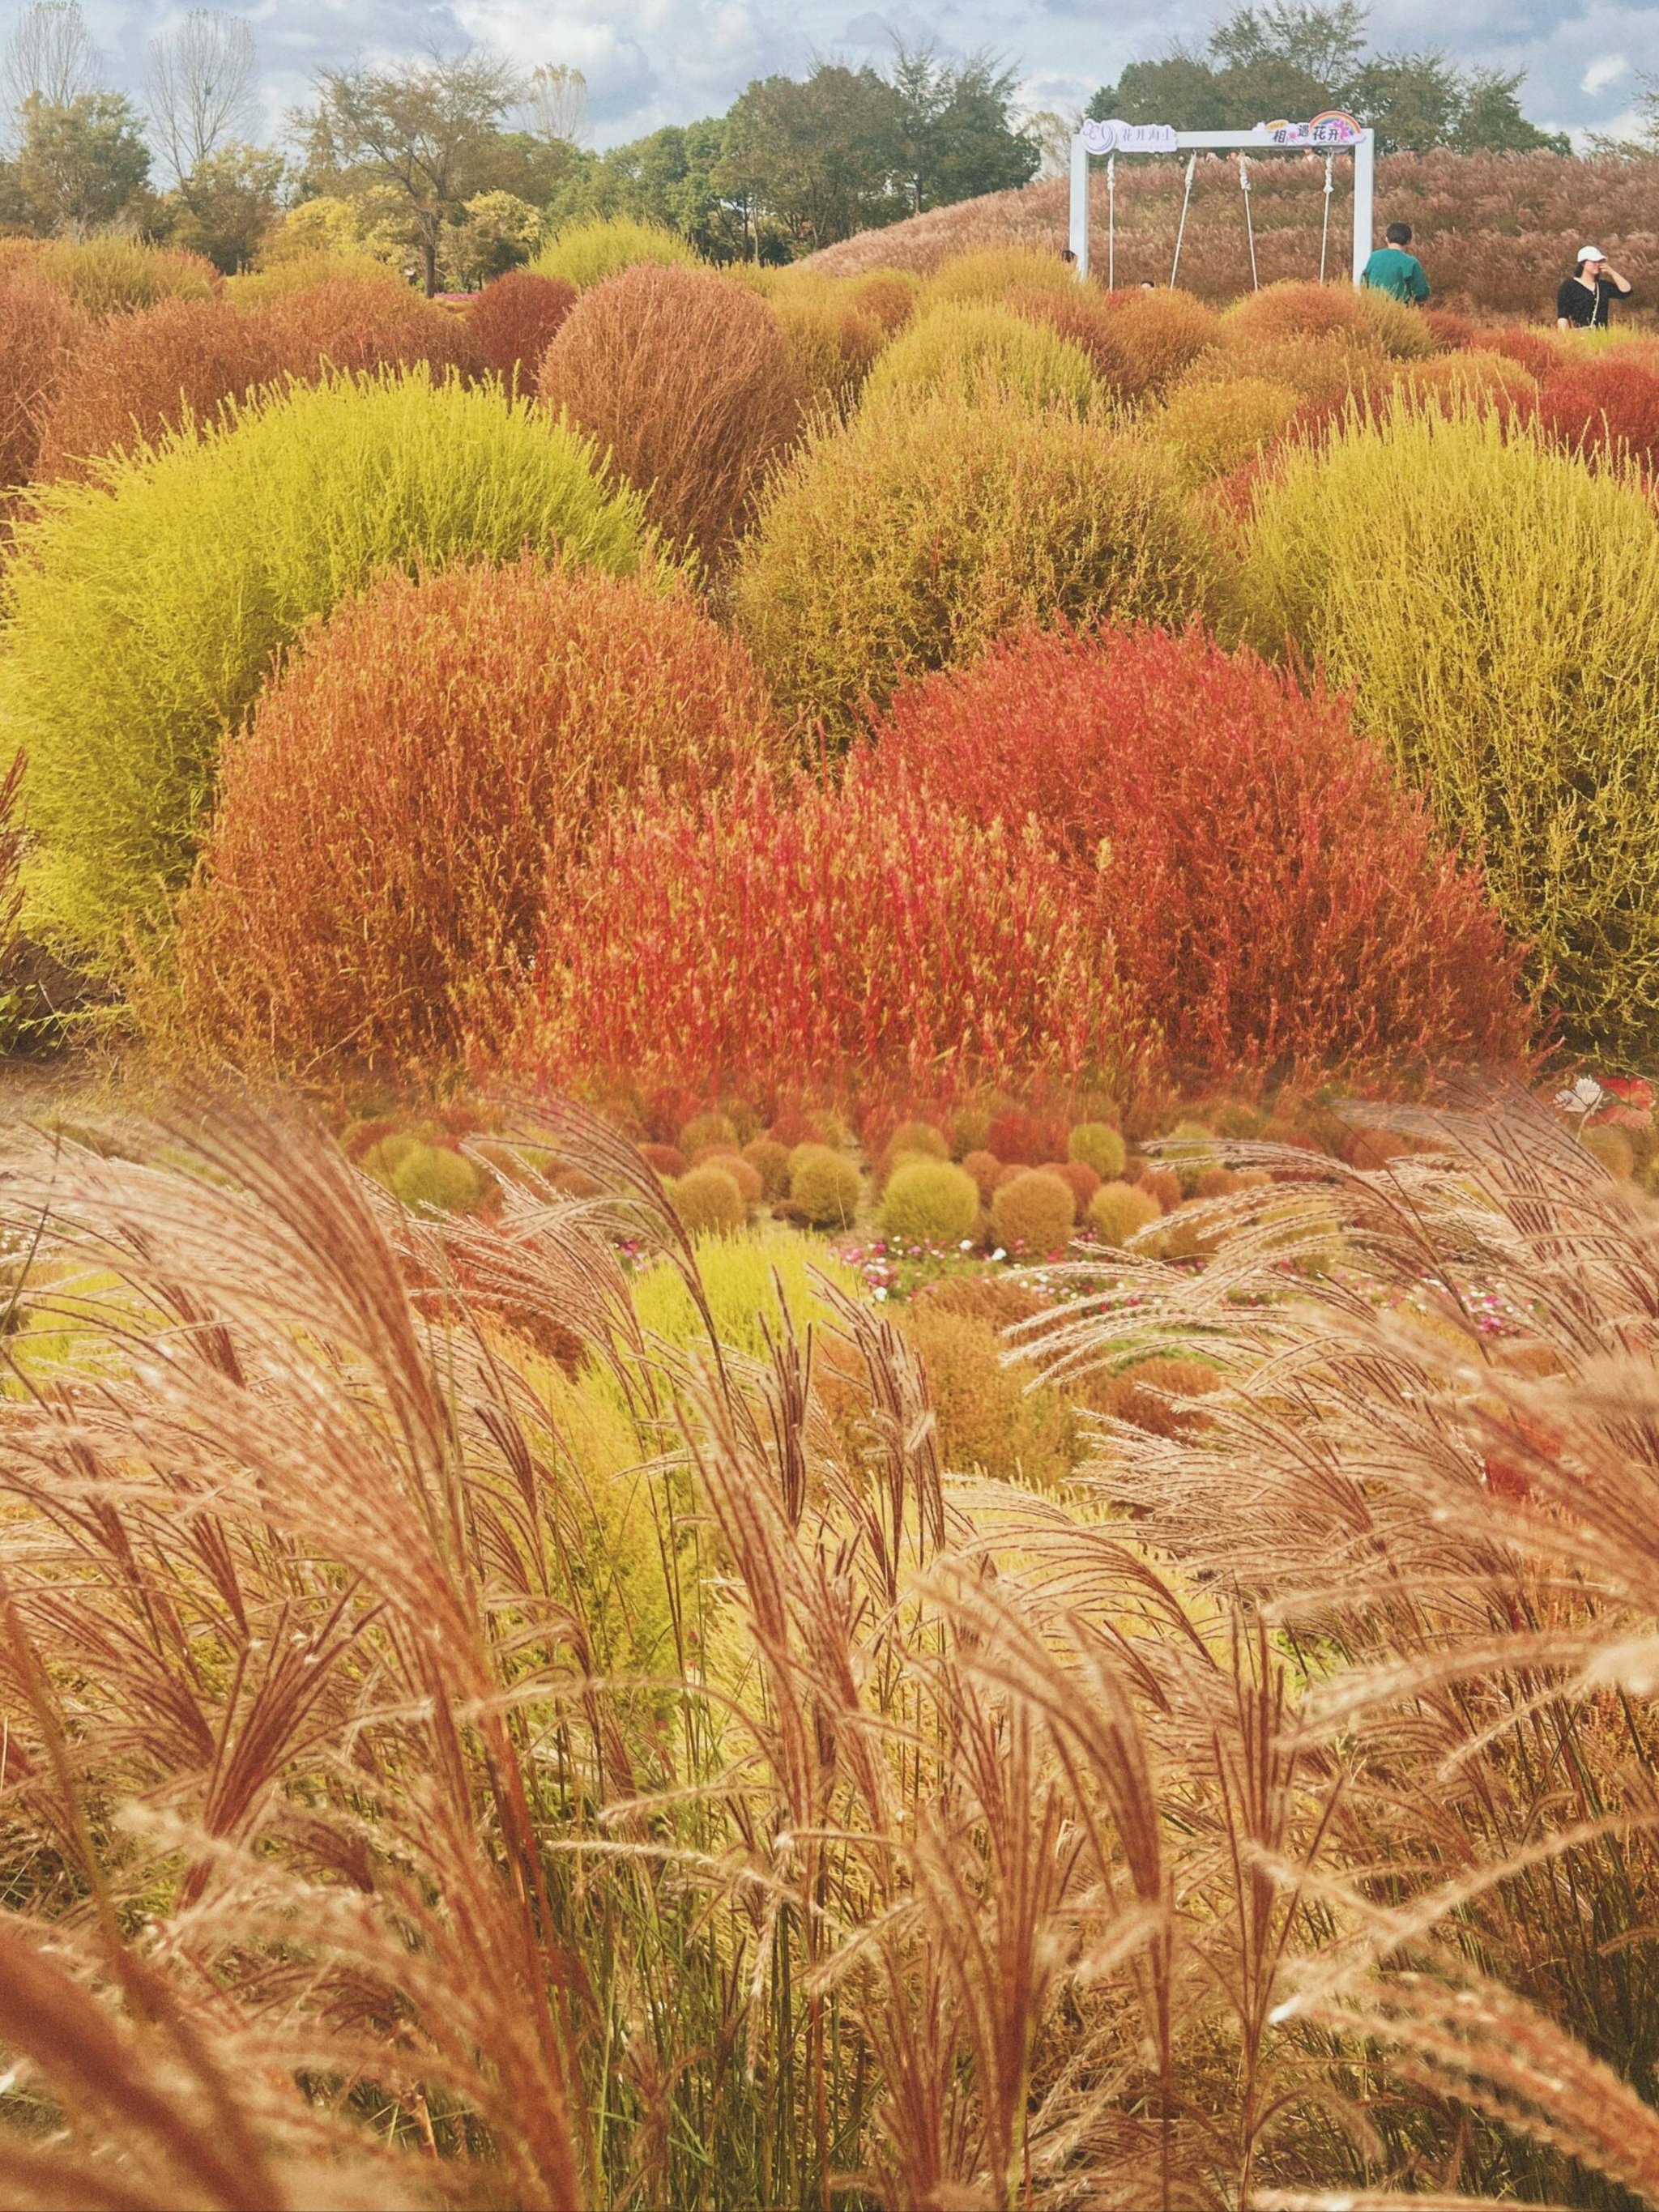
1115, 137
1335, 127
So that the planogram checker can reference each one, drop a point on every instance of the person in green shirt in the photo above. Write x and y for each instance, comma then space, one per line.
1393, 270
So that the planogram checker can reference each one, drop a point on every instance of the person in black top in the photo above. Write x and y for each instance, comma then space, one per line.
1582, 302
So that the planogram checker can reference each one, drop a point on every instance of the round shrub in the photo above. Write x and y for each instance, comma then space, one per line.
771, 1161
1161, 333
919, 1137
704, 1129
584, 255
144, 617
708, 1202
512, 322
1492, 574
746, 1176
687, 380
930, 1202
834, 346
982, 353
1034, 1212
1329, 371
1084, 318
911, 539
113, 276
984, 1167
1454, 382
826, 1186
994, 271
1605, 407
1540, 351
1399, 331
139, 376
666, 1161
1118, 1210
275, 279
354, 324
1293, 310
432, 1179
1100, 1147
41, 331
864, 944
888, 296
1079, 1178
1313, 920
1212, 429
372, 882
994, 1416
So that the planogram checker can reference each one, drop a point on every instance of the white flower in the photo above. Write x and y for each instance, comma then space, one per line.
1583, 1098
880, 1294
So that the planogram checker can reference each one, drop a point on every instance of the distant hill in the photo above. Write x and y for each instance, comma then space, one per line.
1497, 232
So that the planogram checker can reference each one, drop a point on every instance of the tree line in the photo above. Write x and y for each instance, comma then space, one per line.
455, 165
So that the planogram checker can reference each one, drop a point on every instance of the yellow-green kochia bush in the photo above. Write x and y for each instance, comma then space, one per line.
145, 610
930, 1202
981, 353
1494, 607
911, 539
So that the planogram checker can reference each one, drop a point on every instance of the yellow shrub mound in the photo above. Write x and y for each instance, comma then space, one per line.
985, 354
1211, 428
1494, 608
993, 273
913, 538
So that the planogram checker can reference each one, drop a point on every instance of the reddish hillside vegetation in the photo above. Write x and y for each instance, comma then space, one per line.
1497, 232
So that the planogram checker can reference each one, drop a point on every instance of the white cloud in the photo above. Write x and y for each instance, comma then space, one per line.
1603, 72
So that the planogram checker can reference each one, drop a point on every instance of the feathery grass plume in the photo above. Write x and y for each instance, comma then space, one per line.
1449, 1441
371, 888
926, 529
145, 610
1489, 573
689, 384
981, 354
587, 253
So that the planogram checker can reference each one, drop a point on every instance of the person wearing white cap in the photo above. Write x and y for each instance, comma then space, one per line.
1582, 302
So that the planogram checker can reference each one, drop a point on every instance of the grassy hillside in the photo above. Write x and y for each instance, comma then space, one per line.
1495, 232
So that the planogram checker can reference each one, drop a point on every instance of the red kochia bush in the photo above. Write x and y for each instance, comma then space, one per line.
863, 944
373, 883
1609, 405
512, 321
139, 376
1277, 900
690, 383
41, 330
352, 323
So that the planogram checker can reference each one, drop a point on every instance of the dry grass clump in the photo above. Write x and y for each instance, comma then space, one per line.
913, 538
428, 1766
371, 887
688, 382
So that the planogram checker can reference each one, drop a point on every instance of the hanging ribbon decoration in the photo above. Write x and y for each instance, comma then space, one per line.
1181, 228
1325, 233
1249, 224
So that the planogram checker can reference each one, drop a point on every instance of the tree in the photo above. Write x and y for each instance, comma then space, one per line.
199, 79
956, 122
824, 156
1326, 43
1491, 121
423, 130
228, 203
50, 57
1412, 101
84, 163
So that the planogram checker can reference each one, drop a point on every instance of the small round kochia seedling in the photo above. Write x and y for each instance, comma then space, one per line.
826, 1186
930, 1202
708, 1201
1035, 1213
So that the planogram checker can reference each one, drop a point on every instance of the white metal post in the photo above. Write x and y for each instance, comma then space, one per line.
1079, 226
1364, 195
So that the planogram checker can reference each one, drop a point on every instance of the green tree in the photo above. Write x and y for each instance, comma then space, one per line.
824, 156
425, 131
1412, 101
83, 162
956, 122
1491, 121
225, 206
1326, 43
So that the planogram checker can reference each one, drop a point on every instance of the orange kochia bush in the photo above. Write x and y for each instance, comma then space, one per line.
373, 884
1277, 901
1607, 406
512, 322
139, 376
864, 943
41, 331
689, 383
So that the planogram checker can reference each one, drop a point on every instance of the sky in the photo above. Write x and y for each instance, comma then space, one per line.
652, 62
